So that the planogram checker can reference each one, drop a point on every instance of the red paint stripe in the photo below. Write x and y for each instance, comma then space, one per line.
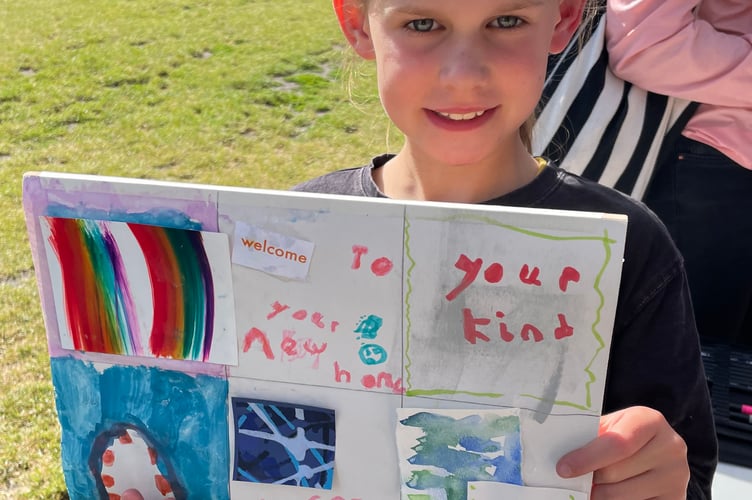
167, 329
82, 298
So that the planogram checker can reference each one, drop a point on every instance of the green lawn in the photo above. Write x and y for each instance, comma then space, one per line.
232, 92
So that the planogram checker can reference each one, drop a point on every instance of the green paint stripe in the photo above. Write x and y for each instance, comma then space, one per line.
492, 222
598, 337
437, 392
408, 295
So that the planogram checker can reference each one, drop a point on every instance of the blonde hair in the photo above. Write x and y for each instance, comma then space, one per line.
589, 12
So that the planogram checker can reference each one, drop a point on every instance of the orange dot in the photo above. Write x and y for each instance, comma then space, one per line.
113, 496
108, 457
163, 485
153, 455
108, 480
125, 438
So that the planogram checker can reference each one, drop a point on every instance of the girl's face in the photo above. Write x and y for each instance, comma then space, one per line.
459, 78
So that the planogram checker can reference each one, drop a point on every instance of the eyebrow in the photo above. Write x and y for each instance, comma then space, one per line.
510, 5
521, 4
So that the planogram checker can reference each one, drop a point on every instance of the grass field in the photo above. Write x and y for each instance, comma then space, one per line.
233, 92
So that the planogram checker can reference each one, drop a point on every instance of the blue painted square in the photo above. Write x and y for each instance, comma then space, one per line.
281, 443
183, 416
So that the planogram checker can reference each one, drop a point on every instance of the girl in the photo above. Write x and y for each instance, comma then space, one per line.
461, 80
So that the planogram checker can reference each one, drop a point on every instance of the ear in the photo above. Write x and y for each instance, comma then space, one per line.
570, 18
354, 23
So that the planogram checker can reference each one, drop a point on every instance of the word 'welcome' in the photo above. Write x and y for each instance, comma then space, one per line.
276, 251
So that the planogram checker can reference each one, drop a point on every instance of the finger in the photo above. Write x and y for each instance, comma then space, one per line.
665, 451
622, 434
651, 485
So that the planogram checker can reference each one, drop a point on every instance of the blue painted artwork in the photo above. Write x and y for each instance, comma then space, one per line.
177, 417
454, 450
369, 326
280, 443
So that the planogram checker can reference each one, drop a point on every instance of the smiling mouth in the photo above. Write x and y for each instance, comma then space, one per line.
461, 117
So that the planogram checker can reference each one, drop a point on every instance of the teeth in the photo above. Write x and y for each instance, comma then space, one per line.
461, 117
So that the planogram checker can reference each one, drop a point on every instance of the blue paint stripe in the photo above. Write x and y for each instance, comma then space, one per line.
276, 410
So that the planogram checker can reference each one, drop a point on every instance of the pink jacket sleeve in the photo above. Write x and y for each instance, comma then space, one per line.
661, 46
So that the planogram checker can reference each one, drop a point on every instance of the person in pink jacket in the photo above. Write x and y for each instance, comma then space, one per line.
701, 51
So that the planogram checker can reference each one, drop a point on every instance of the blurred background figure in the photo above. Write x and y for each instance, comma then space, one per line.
656, 101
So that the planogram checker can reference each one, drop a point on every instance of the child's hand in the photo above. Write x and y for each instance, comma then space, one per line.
637, 455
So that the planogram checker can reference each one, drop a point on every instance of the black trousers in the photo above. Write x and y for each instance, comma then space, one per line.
705, 200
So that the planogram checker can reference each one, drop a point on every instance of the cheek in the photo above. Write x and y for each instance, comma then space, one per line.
394, 93
400, 75
526, 69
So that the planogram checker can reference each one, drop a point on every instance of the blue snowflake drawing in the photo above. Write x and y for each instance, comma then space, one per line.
280, 443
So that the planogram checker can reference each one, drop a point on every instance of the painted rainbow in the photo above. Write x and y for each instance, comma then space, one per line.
99, 300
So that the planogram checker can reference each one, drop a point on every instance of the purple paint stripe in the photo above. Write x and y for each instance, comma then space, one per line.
208, 282
126, 308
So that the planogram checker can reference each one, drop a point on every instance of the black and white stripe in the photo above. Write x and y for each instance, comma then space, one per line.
596, 125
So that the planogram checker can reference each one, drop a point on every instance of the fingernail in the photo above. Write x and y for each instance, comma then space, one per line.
564, 470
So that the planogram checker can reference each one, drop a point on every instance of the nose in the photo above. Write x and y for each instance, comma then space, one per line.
464, 65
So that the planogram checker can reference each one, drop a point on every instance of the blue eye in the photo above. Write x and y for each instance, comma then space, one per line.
506, 22
422, 25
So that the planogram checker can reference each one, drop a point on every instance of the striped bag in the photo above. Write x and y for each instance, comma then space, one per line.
603, 128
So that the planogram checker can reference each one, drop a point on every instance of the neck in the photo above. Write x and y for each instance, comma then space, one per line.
409, 176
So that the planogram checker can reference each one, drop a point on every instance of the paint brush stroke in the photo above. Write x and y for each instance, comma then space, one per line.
285, 444
92, 293
100, 306
183, 415
182, 290
441, 451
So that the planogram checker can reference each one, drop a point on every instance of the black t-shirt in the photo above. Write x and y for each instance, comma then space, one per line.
655, 355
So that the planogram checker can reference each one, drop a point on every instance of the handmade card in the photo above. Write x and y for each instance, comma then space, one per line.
217, 342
